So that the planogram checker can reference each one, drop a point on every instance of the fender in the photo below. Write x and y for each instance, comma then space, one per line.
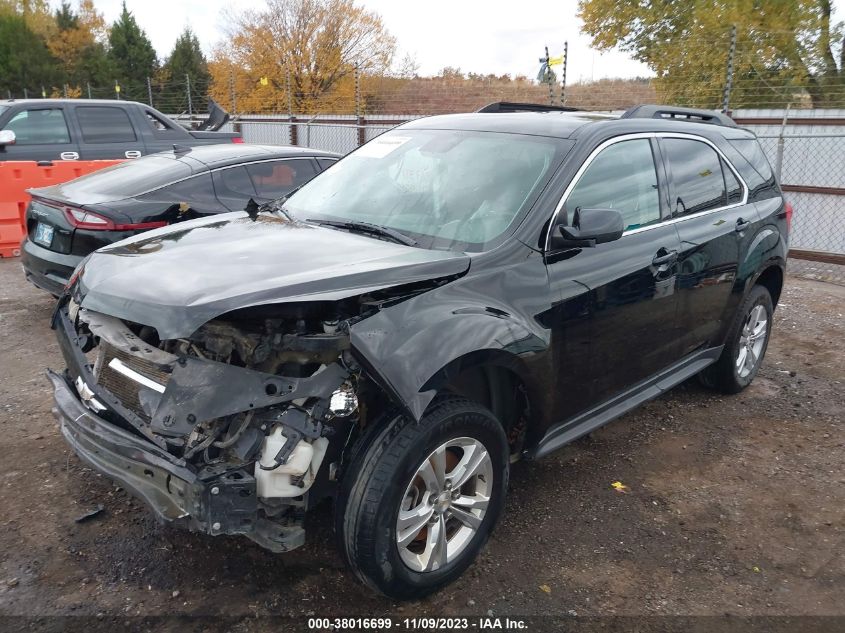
405, 348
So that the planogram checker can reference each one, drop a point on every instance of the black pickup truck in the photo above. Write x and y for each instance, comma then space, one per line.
92, 129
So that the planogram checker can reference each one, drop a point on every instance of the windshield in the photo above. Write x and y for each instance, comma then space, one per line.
445, 189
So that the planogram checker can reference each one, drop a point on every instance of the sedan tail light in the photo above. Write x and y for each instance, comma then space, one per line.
90, 221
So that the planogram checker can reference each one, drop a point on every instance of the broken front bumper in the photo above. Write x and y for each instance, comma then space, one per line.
225, 503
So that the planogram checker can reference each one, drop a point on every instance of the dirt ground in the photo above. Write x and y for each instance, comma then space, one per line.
735, 505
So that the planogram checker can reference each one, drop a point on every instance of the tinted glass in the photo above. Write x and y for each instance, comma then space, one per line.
196, 193
325, 163
39, 127
621, 177
450, 189
127, 180
757, 172
105, 124
732, 184
696, 175
274, 179
234, 183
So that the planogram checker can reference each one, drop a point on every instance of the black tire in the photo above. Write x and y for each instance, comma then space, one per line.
375, 483
723, 375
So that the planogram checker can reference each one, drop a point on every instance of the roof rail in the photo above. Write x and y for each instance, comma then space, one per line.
677, 113
510, 106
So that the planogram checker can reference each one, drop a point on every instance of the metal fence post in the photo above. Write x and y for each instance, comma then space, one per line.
150, 91
188, 90
44, 92
116, 89
359, 119
549, 78
563, 73
294, 137
779, 154
64, 90
9, 93
232, 95
729, 78
88, 85
25, 94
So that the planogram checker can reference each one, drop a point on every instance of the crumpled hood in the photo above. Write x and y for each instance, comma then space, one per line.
177, 278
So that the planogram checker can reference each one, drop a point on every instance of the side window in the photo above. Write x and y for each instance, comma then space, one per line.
756, 172
39, 127
233, 187
325, 163
197, 194
733, 186
274, 179
621, 177
105, 124
696, 173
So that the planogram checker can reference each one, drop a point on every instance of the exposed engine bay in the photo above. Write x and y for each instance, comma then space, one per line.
258, 404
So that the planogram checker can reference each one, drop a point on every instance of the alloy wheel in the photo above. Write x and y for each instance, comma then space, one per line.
444, 504
752, 341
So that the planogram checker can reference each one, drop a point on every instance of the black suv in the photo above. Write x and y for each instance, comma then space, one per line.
458, 293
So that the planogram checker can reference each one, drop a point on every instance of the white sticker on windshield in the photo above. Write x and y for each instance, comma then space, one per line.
382, 146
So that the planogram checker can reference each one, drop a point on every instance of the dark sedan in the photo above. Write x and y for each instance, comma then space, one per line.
66, 222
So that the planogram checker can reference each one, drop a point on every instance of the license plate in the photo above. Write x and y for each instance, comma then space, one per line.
44, 234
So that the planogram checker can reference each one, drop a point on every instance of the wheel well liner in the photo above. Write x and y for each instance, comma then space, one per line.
772, 280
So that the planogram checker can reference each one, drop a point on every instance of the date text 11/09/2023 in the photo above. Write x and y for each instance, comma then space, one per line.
484, 623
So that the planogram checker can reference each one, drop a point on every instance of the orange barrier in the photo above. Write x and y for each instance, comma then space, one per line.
18, 176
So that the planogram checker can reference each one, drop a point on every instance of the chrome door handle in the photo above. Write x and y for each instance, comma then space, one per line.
69, 155
664, 257
132, 153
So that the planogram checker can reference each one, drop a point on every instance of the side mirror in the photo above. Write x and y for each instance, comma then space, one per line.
7, 137
590, 227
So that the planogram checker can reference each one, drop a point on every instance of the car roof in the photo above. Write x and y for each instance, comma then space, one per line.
558, 124
570, 125
111, 102
223, 154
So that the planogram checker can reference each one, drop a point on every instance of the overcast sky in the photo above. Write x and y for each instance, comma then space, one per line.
484, 36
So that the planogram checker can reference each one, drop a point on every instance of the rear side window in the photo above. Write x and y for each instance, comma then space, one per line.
621, 177
697, 179
195, 193
233, 182
39, 127
325, 163
274, 179
105, 124
757, 172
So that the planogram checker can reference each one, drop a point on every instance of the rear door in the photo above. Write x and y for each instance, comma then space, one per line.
630, 281
107, 132
708, 201
42, 134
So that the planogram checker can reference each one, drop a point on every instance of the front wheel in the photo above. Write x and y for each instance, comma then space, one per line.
746, 344
422, 499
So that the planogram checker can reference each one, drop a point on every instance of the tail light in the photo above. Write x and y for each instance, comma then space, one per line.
787, 210
237, 139
81, 219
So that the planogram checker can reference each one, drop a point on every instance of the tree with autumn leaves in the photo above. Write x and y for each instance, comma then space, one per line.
787, 51
300, 55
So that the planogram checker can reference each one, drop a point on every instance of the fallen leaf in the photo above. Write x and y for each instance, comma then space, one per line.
545, 589
618, 486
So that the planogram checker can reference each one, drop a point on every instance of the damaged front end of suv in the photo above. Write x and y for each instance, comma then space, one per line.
236, 426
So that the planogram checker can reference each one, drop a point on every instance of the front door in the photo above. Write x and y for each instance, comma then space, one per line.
42, 134
629, 282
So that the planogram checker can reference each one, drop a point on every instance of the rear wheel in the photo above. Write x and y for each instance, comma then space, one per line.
421, 500
746, 344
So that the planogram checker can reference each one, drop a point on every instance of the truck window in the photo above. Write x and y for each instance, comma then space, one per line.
44, 126
105, 124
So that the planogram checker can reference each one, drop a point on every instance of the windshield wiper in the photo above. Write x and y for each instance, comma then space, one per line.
368, 227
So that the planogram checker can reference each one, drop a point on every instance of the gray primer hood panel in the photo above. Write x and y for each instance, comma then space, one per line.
177, 278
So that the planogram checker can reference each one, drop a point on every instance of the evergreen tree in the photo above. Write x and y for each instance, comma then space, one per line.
132, 54
79, 46
187, 59
25, 61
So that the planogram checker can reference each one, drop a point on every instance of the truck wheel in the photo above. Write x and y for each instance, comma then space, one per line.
746, 345
419, 502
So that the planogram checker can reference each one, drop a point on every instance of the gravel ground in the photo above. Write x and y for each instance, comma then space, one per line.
735, 505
